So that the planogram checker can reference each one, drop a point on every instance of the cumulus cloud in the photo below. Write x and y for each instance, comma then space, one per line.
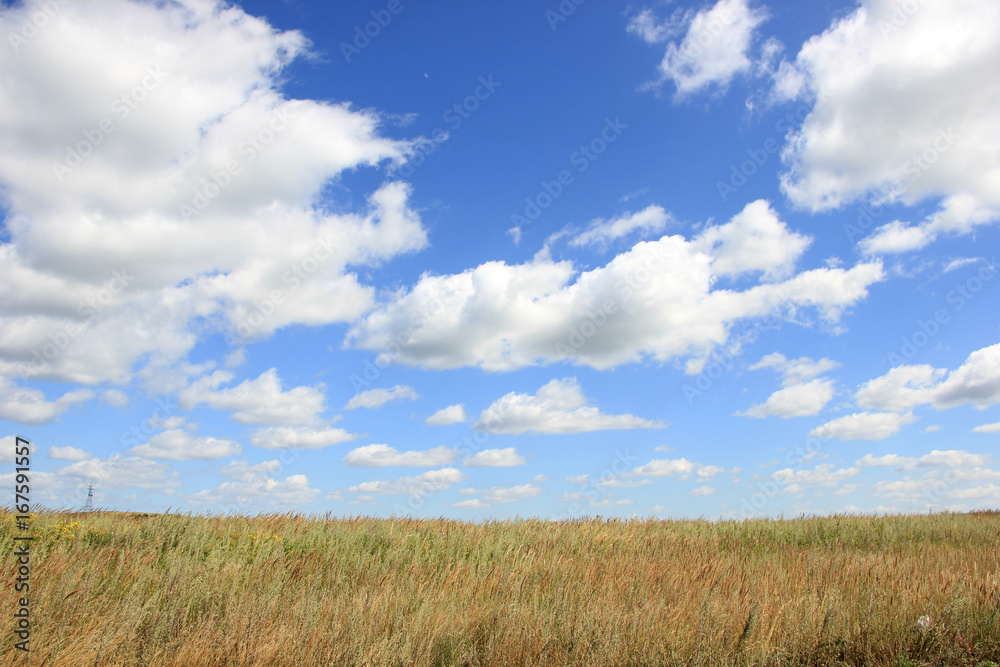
558, 407
25, 405
601, 232
422, 484
259, 401
794, 371
823, 475
951, 458
656, 300
754, 240
975, 382
863, 426
987, 428
179, 445
904, 112
453, 414
172, 189
669, 467
715, 47
253, 484
380, 456
376, 398
495, 458
797, 400
300, 437
703, 491
67, 453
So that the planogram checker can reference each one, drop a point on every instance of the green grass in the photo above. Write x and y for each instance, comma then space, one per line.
125, 589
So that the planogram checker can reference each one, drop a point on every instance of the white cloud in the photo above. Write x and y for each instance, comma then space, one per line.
453, 414
703, 491
754, 240
380, 456
472, 503
67, 453
117, 219
665, 467
656, 300
714, 49
179, 445
612, 502
495, 458
114, 397
823, 475
794, 371
299, 437
600, 232
987, 428
260, 401
798, 400
952, 458
422, 484
619, 483
557, 407
930, 134
511, 493
975, 382
863, 426
25, 405
255, 484
376, 398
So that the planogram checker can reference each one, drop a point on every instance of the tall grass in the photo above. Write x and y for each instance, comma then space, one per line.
123, 589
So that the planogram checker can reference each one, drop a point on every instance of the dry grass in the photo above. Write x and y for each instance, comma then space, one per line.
123, 589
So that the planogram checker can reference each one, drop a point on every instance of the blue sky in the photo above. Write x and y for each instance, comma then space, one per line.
517, 259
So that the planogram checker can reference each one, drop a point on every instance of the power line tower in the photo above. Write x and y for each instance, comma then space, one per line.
89, 507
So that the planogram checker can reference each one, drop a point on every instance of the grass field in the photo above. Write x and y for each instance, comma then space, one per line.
126, 589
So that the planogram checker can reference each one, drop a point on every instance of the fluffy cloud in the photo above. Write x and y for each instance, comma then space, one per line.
453, 414
159, 190
975, 382
67, 453
754, 240
988, 428
823, 475
668, 467
557, 407
375, 398
260, 401
380, 456
255, 484
703, 491
863, 426
794, 371
951, 458
655, 300
714, 49
495, 458
797, 400
300, 437
601, 232
904, 111
29, 406
511, 493
428, 482
179, 445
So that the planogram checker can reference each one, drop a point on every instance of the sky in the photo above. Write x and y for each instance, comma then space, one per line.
494, 260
